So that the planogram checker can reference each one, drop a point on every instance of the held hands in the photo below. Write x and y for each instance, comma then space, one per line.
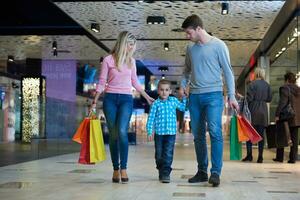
150, 100
150, 137
184, 92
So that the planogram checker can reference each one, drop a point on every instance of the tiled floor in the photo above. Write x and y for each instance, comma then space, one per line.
61, 178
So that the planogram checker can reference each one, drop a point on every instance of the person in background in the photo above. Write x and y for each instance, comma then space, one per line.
117, 76
259, 93
289, 92
205, 62
162, 123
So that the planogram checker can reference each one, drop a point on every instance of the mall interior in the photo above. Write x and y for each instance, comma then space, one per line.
50, 57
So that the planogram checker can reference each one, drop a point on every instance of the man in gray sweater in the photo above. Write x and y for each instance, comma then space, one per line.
205, 62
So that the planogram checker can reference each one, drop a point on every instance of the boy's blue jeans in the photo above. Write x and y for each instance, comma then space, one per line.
206, 113
164, 149
117, 109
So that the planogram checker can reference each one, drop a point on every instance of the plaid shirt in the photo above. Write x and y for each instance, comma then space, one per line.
162, 116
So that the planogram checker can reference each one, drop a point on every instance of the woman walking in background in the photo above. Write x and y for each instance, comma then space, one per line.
117, 76
258, 95
289, 93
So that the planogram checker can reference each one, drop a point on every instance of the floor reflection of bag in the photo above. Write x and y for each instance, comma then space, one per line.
278, 136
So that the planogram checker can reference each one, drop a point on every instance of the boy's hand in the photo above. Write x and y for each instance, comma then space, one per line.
150, 137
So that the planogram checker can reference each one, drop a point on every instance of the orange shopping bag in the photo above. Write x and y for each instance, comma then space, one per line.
253, 135
242, 133
80, 131
82, 136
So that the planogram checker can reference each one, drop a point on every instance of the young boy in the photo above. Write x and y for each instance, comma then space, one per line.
162, 122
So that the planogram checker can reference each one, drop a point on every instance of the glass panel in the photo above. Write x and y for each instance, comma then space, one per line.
283, 56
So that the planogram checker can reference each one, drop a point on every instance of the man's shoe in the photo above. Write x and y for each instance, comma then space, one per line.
200, 176
248, 158
291, 161
260, 160
165, 179
214, 179
277, 160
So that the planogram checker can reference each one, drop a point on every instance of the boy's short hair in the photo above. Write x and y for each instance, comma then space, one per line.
192, 21
163, 82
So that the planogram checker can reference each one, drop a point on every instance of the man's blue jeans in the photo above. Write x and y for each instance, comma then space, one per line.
206, 113
117, 109
164, 149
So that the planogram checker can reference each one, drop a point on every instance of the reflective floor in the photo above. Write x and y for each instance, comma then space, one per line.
61, 178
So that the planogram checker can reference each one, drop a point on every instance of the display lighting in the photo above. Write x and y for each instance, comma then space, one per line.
54, 45
95, 27
225, 8
156, 20
166, 46
10, 59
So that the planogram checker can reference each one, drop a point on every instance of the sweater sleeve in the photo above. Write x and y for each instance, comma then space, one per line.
102, 77
224, 60
187, 69
151, 119
134, 79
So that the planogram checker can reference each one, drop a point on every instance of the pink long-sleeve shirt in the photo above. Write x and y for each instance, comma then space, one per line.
113, 81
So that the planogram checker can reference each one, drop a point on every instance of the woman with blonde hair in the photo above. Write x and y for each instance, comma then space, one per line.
258, 95
117, 76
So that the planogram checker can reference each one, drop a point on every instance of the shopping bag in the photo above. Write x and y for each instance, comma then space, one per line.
84, 157
97, 148
253, 135
242, 133
271, 136
80, 131
235, 145
278, 135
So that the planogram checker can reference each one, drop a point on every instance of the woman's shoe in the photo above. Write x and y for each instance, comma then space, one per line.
116, 176
277, 160
124, 177
248, 158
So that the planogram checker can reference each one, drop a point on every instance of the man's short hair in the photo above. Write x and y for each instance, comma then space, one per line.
192, 21
290, 77
164, 82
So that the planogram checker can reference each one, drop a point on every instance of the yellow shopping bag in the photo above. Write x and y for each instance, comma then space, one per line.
97, 148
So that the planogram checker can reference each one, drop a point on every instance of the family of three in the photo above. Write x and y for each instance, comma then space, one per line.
205, 63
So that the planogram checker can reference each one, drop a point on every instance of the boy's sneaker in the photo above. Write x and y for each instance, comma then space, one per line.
200, 176
214, 179
165, 179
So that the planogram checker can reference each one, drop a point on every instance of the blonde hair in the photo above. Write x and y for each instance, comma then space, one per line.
259, 73
119, 51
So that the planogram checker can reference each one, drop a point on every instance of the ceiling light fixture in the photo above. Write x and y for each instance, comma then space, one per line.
156, 20
55, 53
95, 27
163, 68
54, 45
225, 8
10, 58
166, 46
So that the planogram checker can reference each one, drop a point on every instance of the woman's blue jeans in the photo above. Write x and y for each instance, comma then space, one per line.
117, 109
206, 113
